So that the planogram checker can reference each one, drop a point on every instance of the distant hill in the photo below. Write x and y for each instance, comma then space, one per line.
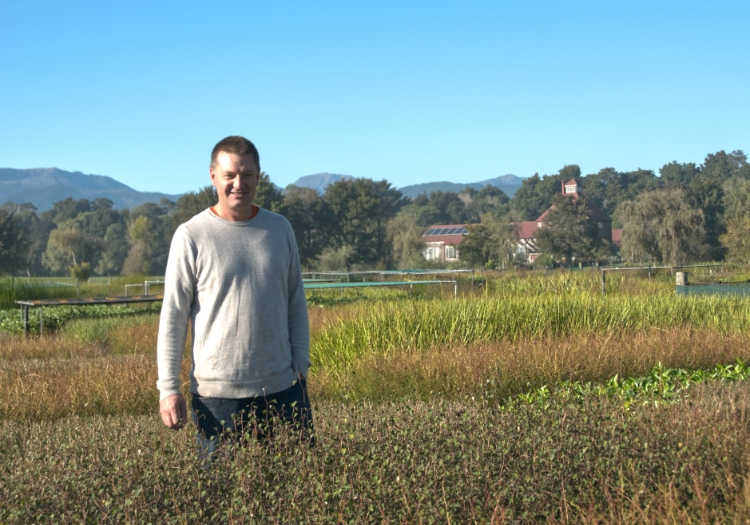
44, 186
507, 183
320, 181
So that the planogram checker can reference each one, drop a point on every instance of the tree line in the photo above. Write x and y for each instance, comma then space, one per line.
687, 213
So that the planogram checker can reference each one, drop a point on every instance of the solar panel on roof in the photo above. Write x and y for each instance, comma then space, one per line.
457, 230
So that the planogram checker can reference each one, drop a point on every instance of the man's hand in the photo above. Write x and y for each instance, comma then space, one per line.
173, 410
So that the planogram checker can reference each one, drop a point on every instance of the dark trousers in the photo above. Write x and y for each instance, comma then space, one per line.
218, 418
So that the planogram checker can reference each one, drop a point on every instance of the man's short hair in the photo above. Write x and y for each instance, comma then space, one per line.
237, 145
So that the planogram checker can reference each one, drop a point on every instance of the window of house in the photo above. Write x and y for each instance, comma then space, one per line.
450, 252
432, 253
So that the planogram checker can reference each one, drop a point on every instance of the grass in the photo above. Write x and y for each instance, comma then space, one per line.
18, 289
530, 399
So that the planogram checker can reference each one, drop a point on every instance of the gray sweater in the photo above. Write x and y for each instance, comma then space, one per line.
240, 285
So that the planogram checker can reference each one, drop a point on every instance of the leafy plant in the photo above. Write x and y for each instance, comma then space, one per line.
80, 272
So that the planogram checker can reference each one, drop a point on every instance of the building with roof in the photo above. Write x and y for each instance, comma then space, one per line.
442, 241
527, 249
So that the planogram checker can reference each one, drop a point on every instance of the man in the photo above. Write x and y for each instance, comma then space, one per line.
233, 272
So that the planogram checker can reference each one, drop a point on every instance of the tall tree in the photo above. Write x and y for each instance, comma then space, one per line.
311, 220
68, 246
149, 239
568, 232
79, 236
92, 228
488, 199
361, 209
66, 209
569, 171
736, 198
190, 204
449, 207
476, 246
14, 243
115, 250
143, 237
603, 188
675, 175
405, 232
722, 166
490, 243
661, 225
636, 182
706, 192
268, 195
535, 196
608, 188
35, 233
736, 240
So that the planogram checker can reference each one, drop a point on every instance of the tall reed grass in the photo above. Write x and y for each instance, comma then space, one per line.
388, 328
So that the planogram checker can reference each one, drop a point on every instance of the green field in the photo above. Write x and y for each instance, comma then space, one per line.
530, 397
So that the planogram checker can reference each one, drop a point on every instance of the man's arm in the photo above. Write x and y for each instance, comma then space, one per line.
299, 324
179, 282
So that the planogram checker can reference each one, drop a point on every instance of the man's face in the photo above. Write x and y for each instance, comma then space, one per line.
235, 178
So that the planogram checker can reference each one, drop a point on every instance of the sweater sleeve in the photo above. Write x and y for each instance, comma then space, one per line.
179, 286
299, 325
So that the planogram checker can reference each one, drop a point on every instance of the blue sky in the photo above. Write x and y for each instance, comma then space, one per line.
407, 91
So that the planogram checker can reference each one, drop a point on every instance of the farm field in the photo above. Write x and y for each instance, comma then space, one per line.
530, 398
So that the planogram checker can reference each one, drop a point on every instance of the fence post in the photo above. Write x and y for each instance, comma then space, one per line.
25, 318
604, 279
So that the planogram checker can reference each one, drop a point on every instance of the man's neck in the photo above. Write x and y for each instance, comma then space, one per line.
235, 216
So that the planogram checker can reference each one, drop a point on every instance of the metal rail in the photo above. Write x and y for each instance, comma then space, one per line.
649, 268
41, 303
410, 284
317, 285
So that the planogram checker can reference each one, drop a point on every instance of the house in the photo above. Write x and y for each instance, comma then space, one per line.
527, 250
442, 240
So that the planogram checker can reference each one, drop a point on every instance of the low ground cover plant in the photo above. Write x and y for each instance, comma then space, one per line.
461, 462
529, 399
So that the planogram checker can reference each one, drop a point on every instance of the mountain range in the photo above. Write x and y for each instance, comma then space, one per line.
507, 183
44, 186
